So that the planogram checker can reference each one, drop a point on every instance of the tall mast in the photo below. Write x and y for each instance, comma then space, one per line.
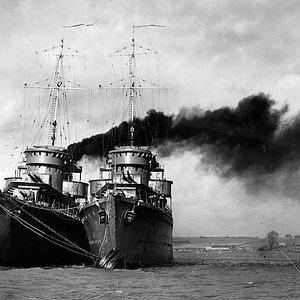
132, 81
131, 89
58, 82
57, 85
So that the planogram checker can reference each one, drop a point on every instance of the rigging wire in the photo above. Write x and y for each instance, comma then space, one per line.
60, 116
90, 105
29, 133
24, 117
46, 236
169, 119
63, 131
43, 122
65, 119
75, 101
39, 94
139, 108
293, 264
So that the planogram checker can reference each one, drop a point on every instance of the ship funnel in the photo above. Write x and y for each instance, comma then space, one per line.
130, 164
48, 163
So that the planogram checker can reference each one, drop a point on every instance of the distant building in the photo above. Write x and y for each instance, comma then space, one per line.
273, 239
218, 247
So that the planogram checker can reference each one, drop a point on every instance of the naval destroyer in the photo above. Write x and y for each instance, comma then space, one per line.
39, 224
129, 219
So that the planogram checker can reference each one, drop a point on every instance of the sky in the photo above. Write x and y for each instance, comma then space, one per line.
212, 54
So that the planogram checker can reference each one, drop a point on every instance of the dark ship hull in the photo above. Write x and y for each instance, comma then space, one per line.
32, 236
129, 220
39, 225
128, 240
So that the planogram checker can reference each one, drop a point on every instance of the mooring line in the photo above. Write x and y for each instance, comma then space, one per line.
288, 259
48, 237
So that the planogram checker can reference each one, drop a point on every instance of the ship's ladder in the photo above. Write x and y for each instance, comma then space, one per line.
69, 212
10, 191
52, 117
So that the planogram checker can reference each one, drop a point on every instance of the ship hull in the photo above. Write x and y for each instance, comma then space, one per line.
147, 241
20, 246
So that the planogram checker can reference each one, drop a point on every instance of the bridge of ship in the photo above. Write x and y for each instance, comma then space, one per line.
39, 194
130, 173
133, 193
45, 179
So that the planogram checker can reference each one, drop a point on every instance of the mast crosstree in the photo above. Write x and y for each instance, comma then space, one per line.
132, 78
58, 86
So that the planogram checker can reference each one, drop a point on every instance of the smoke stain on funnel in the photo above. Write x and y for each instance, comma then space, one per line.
249, 140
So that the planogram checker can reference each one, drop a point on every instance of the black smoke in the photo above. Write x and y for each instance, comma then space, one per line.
155, 126
248, 139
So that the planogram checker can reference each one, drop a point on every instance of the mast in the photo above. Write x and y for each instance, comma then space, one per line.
58, 85
58, 82
132, 79
131, 90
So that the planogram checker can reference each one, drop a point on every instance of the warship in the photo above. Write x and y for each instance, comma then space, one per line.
129, 218
39, 223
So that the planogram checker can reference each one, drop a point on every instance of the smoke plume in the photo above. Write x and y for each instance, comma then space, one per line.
248, 140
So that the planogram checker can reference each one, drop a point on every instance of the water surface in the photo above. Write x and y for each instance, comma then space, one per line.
179, 281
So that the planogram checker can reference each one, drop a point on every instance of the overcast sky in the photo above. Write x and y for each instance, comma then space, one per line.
212, 53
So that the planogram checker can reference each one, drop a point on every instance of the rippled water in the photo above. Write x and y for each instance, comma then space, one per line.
193, 281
